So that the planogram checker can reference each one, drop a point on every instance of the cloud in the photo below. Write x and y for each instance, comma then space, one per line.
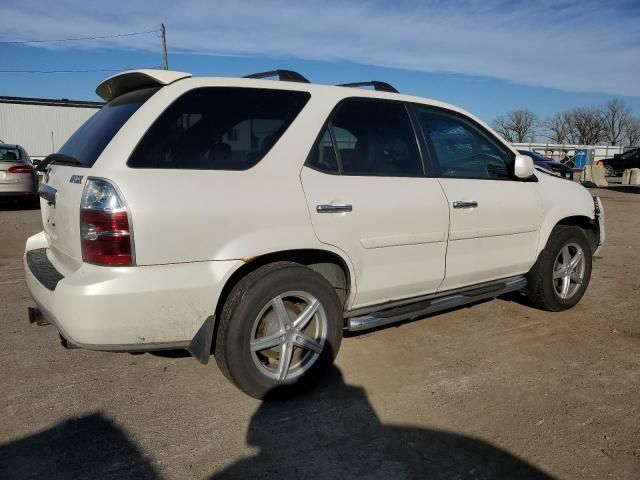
579, 46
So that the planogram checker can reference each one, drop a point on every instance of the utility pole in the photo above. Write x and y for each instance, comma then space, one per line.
165, 61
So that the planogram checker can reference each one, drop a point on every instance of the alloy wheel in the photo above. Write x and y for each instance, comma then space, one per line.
288, 335
568, 270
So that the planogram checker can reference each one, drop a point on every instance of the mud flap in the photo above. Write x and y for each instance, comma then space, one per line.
200, 345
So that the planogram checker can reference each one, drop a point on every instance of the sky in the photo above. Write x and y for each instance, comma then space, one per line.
487, 56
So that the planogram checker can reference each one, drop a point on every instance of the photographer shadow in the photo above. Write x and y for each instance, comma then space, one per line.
333, 432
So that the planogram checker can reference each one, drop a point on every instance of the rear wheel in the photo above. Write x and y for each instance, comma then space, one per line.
280, 327
609, 171
562, 272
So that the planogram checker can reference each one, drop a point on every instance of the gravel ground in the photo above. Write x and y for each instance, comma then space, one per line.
495, 390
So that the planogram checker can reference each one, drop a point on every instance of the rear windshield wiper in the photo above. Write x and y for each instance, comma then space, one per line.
60, 159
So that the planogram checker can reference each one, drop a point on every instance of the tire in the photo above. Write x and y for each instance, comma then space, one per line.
609, 171
253, 317
547, 279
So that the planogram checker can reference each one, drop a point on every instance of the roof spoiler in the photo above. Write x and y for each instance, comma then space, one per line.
130, 80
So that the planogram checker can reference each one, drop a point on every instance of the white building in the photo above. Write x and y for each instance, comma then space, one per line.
40, 125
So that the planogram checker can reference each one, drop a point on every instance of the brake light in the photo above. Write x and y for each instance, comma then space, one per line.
600, 163
105, 227
20, 169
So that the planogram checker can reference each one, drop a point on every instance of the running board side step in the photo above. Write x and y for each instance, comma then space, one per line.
425, 307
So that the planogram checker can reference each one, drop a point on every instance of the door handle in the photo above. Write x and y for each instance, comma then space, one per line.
461, 204
333, 208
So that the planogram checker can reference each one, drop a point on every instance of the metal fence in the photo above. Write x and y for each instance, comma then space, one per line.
560, 152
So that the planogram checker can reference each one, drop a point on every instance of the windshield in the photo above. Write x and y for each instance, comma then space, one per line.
88, 142
10, 154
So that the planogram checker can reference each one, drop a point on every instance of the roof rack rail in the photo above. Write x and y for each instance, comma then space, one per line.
381, 86
283, 75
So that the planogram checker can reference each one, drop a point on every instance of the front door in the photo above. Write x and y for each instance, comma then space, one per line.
367, 195
495, 217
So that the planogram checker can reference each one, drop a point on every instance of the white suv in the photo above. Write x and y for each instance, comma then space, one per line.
257, 220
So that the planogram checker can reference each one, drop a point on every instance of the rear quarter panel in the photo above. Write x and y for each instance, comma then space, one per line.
200, 215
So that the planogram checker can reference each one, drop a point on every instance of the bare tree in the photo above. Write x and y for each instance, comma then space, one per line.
558, 127
615, 115
587, 126
632, 131
500, 126
517, 126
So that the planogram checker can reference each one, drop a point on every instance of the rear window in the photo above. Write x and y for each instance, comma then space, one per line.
218, 128
10, 154
88, 142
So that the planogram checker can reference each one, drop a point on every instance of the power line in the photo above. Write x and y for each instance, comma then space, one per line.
73, 39
78, 71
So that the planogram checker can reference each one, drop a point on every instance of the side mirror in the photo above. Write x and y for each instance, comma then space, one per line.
523, 166
35, 162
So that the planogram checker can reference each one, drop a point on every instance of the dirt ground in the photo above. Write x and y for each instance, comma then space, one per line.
496, 390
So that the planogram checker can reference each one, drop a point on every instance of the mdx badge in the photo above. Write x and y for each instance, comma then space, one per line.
76, 179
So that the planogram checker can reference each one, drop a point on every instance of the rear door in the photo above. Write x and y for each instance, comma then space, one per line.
495, 217
63, 182
368, 195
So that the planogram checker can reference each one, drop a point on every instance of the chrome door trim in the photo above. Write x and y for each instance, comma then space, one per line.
327, 208
461, 204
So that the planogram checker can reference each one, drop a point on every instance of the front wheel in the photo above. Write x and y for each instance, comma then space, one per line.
280, 327
560, 276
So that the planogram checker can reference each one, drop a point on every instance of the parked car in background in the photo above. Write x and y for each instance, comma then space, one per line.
261, 219
17, 177
554, 167
620, 162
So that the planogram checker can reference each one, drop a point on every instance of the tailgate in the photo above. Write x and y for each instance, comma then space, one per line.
67, 172
60, 208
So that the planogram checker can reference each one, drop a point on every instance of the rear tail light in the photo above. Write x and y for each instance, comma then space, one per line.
600, 163
105, 227
20, 169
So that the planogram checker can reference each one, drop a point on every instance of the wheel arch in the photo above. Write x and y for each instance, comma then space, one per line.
332, 266
589, 225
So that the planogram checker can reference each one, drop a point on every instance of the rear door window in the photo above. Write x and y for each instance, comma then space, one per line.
218, 128
88, 142
368, 138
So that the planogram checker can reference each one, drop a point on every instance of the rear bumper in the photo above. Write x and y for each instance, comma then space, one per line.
18, 186
127, 308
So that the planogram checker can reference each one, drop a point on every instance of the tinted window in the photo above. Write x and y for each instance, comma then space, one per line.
323, 157
375, 138
88, 142
462, 149
631, 154
10, 153
218, 129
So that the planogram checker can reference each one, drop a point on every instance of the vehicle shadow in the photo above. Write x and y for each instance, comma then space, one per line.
333, 432
89, 447
11, 204
624, 188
